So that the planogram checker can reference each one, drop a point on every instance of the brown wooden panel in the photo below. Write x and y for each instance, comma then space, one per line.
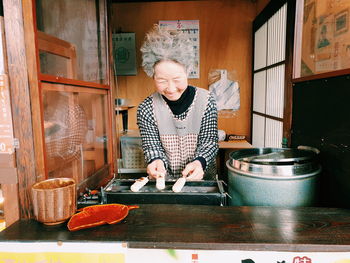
55, 79
260, 5
66, 88
302, 229
35, 97
288, 96
112, 133
323, 75
226, 43
52, 42
21, 103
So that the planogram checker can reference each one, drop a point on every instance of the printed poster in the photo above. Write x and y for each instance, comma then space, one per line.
326, 38
124, 53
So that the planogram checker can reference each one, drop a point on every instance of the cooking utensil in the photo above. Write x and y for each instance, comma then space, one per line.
203, 192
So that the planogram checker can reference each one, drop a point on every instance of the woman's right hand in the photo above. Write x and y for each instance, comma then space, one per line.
155, 168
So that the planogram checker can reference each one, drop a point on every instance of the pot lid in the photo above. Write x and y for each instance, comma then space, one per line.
273, 155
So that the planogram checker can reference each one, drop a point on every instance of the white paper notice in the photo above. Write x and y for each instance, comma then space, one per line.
124, 53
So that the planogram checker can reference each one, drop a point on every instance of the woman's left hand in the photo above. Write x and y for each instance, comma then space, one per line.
193, 171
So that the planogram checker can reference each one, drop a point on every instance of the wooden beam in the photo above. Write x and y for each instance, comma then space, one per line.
113, 142
8, 170
288, 96
35, 95
20, 98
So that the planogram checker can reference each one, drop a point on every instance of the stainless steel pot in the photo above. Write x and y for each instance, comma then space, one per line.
273, 177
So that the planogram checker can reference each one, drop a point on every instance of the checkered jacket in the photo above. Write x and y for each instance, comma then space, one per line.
207, 146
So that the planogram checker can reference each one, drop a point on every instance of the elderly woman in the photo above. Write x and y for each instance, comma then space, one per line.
178, 123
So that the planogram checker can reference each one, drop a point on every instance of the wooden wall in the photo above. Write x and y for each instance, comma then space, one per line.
225, 43
260, 5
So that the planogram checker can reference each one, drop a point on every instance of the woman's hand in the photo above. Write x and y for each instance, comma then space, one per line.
155, 168
193, 171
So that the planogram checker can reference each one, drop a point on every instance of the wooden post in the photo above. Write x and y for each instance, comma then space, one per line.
8, 170
113, 91
21, 102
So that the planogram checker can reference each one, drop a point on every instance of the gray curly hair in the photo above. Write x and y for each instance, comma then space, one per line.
162, 45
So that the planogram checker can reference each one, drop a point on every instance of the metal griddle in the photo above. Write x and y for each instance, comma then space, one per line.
193, 193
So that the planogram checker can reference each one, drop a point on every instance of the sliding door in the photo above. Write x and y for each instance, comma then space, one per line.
271, 77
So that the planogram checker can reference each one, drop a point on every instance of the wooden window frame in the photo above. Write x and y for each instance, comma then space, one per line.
25, 87
46, 42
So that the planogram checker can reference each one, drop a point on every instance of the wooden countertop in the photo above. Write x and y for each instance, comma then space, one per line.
239, 144
208, 227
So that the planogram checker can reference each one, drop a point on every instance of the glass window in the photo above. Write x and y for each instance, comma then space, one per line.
53, 65
75, 125
72, 39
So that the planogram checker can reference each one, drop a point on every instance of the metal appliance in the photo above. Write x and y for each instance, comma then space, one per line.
273, 176
193, 193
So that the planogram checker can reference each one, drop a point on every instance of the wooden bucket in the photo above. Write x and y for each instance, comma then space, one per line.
54, 200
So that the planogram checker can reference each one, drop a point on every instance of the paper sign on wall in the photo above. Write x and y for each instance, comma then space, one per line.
124, 53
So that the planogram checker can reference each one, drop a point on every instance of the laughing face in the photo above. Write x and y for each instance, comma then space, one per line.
170, 79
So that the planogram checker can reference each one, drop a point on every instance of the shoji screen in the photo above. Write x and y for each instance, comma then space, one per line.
269, 80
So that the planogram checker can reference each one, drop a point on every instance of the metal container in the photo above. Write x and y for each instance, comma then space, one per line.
273, 177
193, 193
